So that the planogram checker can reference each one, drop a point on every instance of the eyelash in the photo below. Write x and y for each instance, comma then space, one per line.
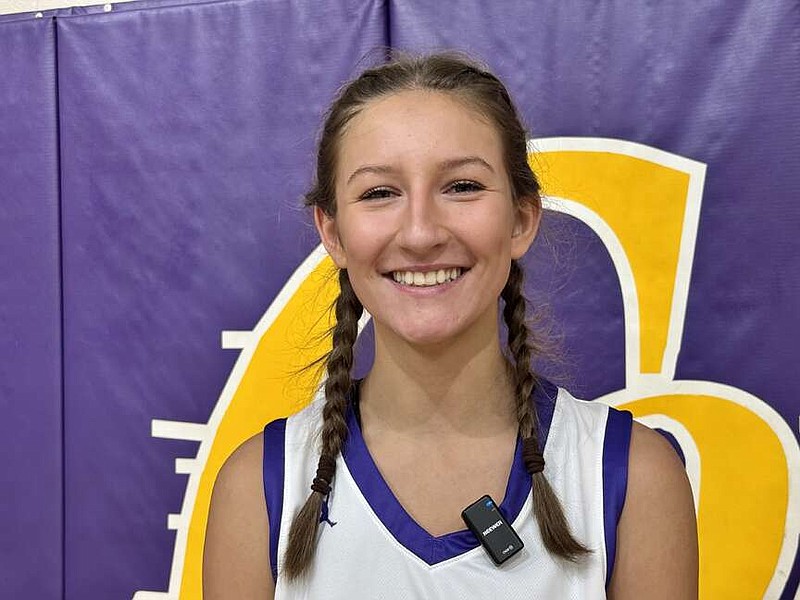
473, 186
380, 193
373, 194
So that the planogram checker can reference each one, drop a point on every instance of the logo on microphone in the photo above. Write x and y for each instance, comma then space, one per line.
491, 528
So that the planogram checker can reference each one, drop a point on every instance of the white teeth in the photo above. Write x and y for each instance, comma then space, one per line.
429, 278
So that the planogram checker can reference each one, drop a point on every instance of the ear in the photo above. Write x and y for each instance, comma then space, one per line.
329, 235
528, 216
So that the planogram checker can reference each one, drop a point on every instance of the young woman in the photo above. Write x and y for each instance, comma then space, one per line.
425, 201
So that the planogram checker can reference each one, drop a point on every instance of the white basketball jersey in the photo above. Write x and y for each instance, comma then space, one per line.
371, 548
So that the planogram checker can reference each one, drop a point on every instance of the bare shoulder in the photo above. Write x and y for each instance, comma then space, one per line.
238, 469
236, 553
657, 533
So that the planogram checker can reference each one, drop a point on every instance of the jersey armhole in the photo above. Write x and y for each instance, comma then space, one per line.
273, 469
616, 446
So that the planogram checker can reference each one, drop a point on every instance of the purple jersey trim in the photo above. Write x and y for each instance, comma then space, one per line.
273, 467
616, 444
401, 525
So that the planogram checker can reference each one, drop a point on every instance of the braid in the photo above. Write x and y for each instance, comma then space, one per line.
546, 506
518, 345
303, 533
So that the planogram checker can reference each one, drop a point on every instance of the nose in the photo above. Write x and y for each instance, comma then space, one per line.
423, 226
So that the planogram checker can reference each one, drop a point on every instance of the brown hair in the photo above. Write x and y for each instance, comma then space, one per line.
480, 90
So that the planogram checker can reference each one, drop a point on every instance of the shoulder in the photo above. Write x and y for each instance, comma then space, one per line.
239, 479
657, 536
238, 469
581, 430
302, 424
656, 477
653, 462
237, 533
586, 415
565, 401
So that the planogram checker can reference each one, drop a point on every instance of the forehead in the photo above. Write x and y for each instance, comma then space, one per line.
416, 125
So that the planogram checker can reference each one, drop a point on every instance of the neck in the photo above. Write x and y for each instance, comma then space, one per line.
461, 386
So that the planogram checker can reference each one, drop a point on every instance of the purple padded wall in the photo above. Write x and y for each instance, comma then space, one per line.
188, 131
30, 315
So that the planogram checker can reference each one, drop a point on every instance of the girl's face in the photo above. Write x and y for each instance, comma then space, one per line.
425, 223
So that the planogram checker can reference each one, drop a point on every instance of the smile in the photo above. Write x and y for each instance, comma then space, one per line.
428, 278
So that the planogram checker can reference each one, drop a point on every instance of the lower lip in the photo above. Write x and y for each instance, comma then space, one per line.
427, 290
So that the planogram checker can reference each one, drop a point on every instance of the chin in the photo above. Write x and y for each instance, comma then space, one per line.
428, 341
429, 335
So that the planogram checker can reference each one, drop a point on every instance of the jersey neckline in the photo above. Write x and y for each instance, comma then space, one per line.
402, 526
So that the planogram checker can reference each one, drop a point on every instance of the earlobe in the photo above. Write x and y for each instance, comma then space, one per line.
528, 217
329, 236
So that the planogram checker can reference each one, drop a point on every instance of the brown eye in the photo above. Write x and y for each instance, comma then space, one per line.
378, 193
465, 186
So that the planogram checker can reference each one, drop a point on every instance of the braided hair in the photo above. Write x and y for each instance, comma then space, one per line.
546, 507
303, 532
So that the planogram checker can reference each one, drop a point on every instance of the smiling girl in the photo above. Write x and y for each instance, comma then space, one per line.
425, 201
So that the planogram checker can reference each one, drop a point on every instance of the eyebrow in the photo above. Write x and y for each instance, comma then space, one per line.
445, 165
455, 163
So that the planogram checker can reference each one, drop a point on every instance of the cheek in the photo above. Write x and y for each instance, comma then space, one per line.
490, 231
362, 241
